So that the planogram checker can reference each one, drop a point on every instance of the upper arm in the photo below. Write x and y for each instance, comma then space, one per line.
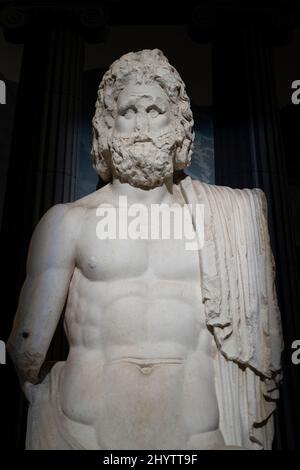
53, 242
50, 264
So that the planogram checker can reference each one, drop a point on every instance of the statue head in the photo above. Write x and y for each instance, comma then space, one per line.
143, 124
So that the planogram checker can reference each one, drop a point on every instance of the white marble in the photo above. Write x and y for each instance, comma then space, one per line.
169, 348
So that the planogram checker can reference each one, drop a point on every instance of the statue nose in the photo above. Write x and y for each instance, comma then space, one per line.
141, 123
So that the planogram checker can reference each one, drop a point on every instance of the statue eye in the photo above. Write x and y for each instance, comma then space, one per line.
129, 113
153, 112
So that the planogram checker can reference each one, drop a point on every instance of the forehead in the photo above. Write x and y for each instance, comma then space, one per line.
133, 92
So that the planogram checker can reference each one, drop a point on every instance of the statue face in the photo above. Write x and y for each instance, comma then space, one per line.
142, 109
143, 137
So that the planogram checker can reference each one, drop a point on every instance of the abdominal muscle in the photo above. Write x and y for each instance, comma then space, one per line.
150, 394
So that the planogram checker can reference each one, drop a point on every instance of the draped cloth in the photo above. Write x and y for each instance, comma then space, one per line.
48, 428
238, 291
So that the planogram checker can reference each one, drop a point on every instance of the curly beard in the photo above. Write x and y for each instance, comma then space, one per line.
143, 161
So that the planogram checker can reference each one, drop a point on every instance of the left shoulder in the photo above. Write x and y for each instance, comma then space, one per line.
253, 194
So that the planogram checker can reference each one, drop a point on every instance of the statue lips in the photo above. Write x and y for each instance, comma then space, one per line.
142, 139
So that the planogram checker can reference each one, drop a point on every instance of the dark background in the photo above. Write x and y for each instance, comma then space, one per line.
238, 60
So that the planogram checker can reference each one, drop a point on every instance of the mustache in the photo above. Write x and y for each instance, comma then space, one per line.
144, 137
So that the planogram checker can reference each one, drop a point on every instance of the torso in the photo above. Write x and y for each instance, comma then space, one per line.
140, 368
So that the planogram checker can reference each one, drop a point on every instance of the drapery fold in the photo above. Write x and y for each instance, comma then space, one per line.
238, 290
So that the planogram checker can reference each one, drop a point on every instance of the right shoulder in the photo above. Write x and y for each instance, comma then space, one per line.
55, 237
63, 222
61, 217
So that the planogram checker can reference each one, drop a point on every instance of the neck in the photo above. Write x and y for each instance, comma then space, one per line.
156, 195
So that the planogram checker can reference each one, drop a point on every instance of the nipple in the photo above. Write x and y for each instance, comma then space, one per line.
92, 262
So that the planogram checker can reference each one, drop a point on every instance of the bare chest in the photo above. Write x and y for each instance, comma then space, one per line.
110, 259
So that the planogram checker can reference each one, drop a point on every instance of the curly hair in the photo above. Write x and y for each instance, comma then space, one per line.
144, 67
